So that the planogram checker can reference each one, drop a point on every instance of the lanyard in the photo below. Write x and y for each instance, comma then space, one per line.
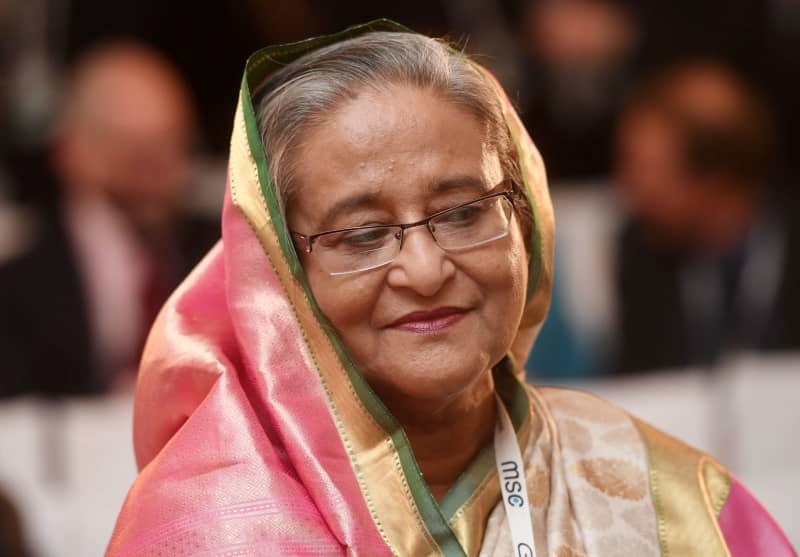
513, 487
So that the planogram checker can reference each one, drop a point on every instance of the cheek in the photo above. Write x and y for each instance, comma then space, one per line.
347, 304
518, 260
505, 288
517, 281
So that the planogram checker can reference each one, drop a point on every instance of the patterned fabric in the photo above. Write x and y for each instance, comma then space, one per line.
587, 479
256, 435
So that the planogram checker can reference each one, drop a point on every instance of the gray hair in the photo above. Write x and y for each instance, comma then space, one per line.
302, 94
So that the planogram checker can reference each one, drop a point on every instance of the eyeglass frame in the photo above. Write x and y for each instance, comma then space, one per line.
308, 239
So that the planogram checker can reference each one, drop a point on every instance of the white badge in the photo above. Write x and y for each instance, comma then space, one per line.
513, 486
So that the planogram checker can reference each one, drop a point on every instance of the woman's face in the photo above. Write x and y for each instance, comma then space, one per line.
431, 323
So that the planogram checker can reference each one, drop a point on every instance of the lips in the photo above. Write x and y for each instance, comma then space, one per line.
429, 322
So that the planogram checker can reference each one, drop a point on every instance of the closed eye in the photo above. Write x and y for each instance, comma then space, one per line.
461, 216
361, 239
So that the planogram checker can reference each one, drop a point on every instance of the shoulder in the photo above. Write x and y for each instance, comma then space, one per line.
697, 502
671, 464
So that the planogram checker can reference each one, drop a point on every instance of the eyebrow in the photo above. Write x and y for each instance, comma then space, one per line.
465, 182
358, 201
372, 199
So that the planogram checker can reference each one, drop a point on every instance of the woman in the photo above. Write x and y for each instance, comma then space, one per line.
329, 381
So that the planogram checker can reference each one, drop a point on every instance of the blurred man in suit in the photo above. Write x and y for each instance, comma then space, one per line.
75, 306
708, 263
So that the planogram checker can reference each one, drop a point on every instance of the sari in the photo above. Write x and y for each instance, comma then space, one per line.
255, 433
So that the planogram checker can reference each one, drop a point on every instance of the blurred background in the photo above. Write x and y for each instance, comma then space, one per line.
670, 133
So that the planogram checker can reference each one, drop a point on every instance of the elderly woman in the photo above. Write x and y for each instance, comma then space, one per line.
342, 374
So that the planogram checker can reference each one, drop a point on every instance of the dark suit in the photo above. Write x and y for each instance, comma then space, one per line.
660, 328
45, 335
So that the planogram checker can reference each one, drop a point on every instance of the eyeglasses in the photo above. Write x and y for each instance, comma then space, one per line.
467, 225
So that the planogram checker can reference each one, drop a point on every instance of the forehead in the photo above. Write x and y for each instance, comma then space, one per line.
395, 144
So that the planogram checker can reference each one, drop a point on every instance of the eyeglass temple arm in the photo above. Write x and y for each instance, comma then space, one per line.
303, 240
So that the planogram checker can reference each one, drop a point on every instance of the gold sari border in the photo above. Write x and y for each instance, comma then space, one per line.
370, 449
688, 490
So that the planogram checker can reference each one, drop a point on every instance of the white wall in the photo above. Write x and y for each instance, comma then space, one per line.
67, 467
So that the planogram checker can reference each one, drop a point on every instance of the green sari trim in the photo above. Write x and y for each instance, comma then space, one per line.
435, 516
515, 397
534, 266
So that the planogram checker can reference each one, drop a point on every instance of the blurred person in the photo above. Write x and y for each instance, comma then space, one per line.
580, 54
75, 306
585, 54
707, 263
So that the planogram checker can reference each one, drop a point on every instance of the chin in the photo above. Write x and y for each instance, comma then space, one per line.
428, 382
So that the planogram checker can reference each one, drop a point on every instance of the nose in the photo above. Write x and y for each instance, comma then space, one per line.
421, 266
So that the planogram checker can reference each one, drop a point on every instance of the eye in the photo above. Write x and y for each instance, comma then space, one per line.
361, 239
367, 237
460, 216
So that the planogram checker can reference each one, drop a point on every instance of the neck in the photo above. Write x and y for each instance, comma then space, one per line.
447, 435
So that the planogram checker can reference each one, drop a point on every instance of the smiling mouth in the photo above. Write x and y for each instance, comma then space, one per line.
429, 322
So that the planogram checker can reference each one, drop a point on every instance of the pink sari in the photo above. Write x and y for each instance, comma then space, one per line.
256, 435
